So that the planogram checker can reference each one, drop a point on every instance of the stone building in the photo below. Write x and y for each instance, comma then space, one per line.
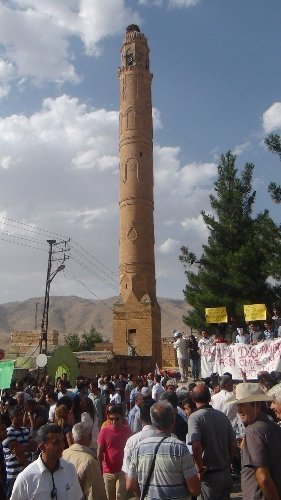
137, 316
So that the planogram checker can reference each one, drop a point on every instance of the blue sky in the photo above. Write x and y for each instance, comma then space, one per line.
216, 87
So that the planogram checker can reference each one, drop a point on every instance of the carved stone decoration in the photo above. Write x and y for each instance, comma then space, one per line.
132, 234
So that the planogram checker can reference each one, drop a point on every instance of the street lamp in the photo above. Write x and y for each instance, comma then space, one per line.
49, 279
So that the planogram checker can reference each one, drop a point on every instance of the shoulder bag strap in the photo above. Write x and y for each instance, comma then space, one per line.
146, 486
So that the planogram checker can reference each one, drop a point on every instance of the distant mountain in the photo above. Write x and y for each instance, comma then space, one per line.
71, 314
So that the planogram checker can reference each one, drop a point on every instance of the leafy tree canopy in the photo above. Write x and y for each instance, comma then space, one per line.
273, 142
240, 263
86, 342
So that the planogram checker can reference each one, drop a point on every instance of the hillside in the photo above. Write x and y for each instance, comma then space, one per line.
69, 314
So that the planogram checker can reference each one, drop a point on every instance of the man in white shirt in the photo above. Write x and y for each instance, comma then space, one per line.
147, 431
205, 340
158, 388
220, 400
180, 345
50, 476
242, 337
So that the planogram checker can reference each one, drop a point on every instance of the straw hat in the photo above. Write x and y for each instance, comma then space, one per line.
249, 392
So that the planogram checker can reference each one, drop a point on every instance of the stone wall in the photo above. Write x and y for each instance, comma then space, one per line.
169, 358
117, 364
25, 341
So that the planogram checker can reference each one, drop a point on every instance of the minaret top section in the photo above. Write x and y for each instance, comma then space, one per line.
135, 50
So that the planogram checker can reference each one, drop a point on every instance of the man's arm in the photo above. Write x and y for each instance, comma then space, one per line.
133, 486
197, 455
193, 486
100, 452
266, 484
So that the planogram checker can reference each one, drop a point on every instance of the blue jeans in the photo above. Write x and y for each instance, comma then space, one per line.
195, 368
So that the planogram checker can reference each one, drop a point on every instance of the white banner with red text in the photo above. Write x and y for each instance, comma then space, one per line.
251, 359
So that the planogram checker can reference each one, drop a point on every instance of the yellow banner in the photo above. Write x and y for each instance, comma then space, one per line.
254, 312
216, 314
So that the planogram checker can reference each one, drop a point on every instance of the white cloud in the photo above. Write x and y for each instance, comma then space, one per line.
182, 3
61, 173
39, 49
272, 118
6, 75
5, 162
240, 148
170, 3
169, 246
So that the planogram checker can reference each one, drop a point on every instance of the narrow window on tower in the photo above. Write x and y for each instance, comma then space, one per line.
140, 154
129, 59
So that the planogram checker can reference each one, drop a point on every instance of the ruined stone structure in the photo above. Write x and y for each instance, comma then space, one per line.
137, 317
25, 342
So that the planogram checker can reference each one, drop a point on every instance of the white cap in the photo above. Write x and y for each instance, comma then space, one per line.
177, 334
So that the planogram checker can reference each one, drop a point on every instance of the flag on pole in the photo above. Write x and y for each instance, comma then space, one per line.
6, 373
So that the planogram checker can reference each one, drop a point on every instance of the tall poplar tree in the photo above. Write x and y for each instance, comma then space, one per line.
241, 253
273, 142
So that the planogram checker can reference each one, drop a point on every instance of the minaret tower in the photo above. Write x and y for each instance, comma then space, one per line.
136, 317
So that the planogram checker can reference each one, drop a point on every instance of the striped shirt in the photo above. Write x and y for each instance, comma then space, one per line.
22, 436
173, 466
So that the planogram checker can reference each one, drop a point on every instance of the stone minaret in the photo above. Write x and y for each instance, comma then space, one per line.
136, 317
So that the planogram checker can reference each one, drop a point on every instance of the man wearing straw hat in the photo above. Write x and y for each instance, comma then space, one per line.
261, 446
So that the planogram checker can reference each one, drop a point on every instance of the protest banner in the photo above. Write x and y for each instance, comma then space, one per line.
216, 314
255, 312
6, 373
251, 359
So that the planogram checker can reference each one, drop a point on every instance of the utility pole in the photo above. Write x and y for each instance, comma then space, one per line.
49, 279
36, 315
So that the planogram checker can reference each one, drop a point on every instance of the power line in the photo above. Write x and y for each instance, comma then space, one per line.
75, 259
87, 288
15, 235
30, 227
108, 271
24, 245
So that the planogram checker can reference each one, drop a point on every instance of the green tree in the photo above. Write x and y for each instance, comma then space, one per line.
273, 142
90, 339
72, 340
87, 341
236, 263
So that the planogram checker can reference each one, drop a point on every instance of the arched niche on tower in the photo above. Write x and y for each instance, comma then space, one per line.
130, 119
131, 170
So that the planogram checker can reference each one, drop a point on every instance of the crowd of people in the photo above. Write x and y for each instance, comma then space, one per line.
146, 436
189, 349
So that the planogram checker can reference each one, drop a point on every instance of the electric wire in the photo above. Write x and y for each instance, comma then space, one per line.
24, 245
87, 268
90, 258
103, 272
71, 276
15, 235
29, 227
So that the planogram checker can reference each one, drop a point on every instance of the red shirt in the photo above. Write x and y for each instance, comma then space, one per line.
113, 441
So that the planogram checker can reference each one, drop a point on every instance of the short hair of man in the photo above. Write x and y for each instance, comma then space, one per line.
226, 382
171, 397
15, 410
158, 378
201, 394
162, 415
65, 401
80, 431
44, 431
145, 409
116, 410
